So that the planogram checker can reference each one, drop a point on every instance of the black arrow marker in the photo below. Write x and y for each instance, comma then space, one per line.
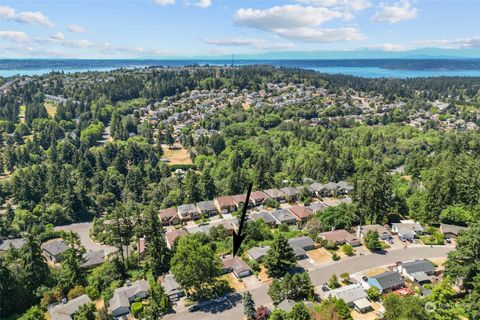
238, 238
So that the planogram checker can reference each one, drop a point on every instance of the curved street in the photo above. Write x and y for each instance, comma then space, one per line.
232, 309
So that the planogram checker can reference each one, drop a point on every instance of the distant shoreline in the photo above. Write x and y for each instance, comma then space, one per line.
369, 68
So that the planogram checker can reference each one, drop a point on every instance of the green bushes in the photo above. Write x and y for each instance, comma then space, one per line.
137, 309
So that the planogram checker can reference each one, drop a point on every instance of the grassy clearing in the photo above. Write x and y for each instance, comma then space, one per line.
177, 155
21, 114
51, 108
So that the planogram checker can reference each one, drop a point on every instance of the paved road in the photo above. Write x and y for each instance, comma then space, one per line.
83, 230
232, 308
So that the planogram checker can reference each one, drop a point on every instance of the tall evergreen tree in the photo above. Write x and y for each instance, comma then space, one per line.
248, 306
280, 258
156, 247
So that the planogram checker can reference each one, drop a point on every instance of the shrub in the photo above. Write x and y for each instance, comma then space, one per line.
348, 249
335, 257
136, 309
373, 293
92, 292
77, 291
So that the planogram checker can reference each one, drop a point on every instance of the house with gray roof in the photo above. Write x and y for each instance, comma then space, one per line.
207, 208
53, 250
451, 231
187, 212
383, 232
119, 305
276, 194
66, 311
284, 216
387, 281
286, 305
417, 270
258, 253
354, 296
317, 207
344, 187
265, 216
291, 192
304, 242
407, 230
93, 258
172, 289
12, 243
317, 189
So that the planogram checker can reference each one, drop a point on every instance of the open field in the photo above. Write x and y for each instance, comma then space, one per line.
21, 114
51, 108
177, 155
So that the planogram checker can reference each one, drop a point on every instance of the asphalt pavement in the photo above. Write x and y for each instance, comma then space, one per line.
231, 308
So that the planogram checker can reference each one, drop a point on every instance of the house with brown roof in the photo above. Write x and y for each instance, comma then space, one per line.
237, 266
340, 237
239, 200
170, 236
225, 204
276, 195
258, 197
302, 213
169, 217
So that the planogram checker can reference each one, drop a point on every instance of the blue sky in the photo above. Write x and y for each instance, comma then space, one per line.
185, 28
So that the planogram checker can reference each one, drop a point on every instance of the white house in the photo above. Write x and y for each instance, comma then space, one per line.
407, 230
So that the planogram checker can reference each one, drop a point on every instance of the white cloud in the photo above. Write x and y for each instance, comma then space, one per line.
283, 17
10, 14
396, 12
59, 39
14, 36
258, 44
164, 2
75, 28
298, 22
391, 47
355, 5
462, 43
203, 3
58, 36
307, 34
111, 48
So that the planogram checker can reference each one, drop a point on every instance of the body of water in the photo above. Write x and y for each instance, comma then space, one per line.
399, 68
375, 72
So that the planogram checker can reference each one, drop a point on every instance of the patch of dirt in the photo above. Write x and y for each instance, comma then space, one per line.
233, 282
320, 255
262, 275
374, 272
176, 155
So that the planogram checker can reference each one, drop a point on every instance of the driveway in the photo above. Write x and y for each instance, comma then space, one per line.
232, 308
83, 231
